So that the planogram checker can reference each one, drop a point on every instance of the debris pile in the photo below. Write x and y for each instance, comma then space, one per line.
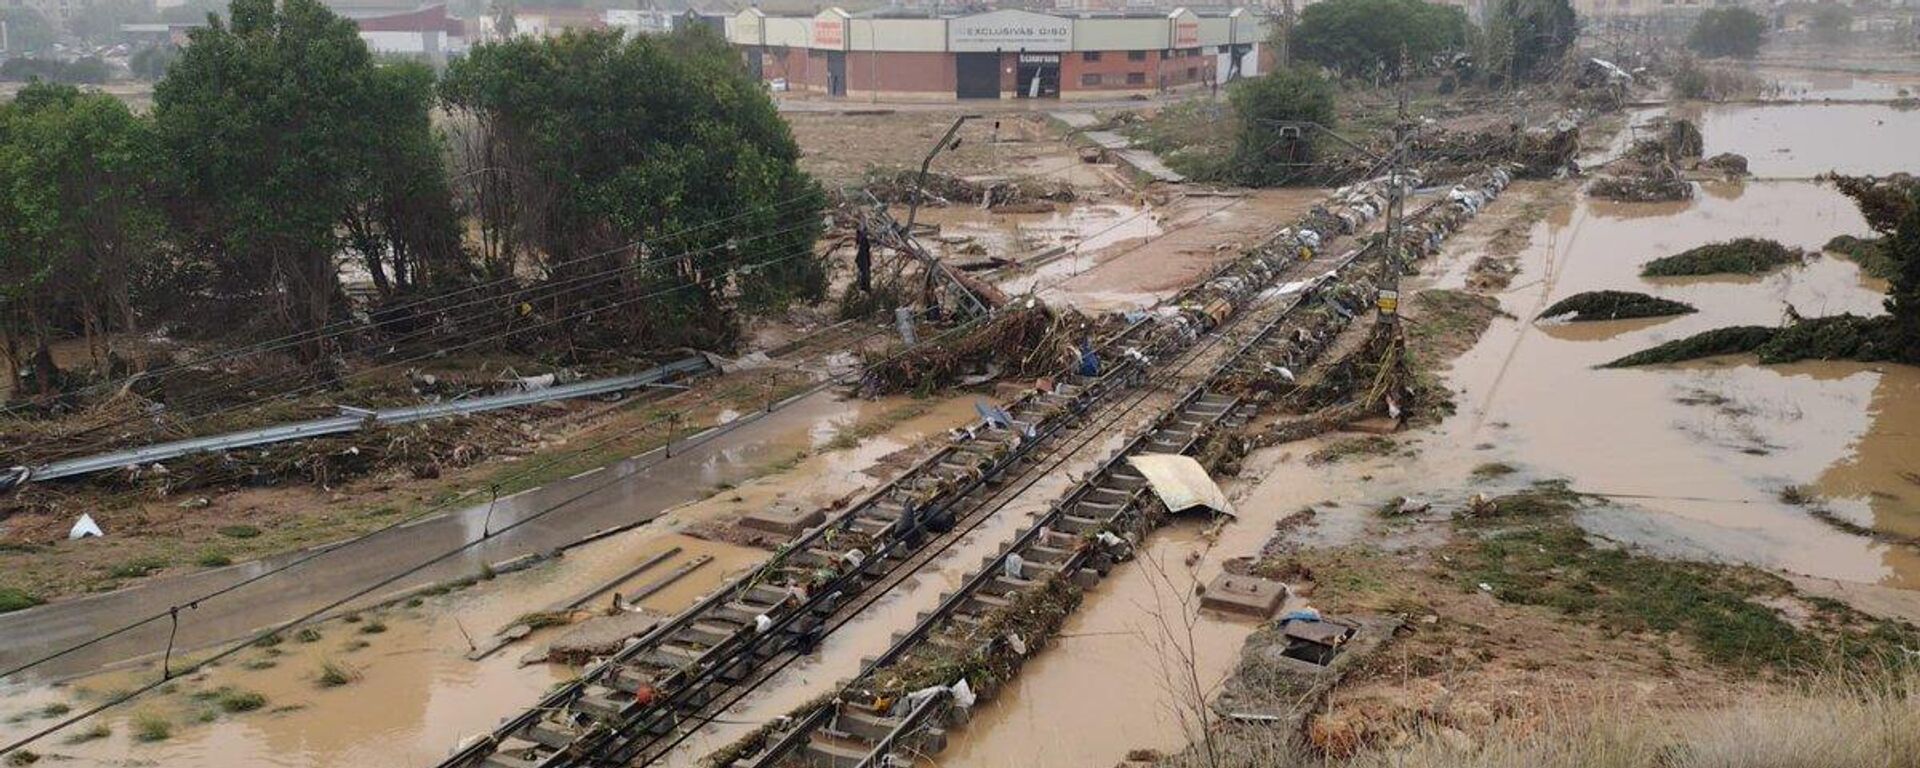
1613, 305
1673, 141
944, 189
1024, 342
1660, 183
1731, 164
1742, 256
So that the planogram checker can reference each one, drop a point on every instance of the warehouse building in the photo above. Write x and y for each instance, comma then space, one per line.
999, 54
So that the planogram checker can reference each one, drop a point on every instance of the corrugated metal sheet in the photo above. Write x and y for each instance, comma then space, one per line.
1180, 482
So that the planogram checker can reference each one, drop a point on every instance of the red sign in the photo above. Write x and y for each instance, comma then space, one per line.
830, 33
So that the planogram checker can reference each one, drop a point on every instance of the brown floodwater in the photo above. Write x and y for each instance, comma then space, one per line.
417, 695
1805, 140
1700, 451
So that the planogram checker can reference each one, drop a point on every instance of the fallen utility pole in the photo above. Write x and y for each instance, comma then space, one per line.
351, 420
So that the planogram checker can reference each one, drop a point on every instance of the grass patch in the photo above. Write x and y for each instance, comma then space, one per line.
1744, 256
861, 432
542, 619
307, 635
373, 627
256, 665
1493, 469
12, 599
151, 727
23, 757
1346, 448
1613, 305
235, 701
212, 559
1868, 252
1531, 552
239, 531
55, 709
137, 567
93, 732
334, 674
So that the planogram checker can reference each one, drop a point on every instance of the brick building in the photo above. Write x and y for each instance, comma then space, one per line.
999, 54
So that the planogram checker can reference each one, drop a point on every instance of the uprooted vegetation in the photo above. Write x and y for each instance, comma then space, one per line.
1023, 343
1742, 256
1613, 305
1650, 170
1837, 337
939, 189
1868, 252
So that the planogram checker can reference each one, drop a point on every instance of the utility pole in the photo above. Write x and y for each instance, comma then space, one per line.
1286, 34
1388, 300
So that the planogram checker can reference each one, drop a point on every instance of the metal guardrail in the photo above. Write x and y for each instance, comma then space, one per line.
334, 425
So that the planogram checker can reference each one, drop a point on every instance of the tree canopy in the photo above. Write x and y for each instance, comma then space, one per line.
274, 122
687, 156
1264, 147
1727, 32
1532, 36
76, 219
1365, 37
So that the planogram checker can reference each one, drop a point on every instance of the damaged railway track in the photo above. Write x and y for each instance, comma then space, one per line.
898, 706
636, 705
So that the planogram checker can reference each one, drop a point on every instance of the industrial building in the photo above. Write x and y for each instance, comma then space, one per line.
999, 54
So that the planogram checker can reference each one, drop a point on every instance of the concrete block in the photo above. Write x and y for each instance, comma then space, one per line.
783, 519
1248, 595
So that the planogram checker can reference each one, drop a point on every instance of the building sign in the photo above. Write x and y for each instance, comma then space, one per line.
1039, 58
1009, 31
830, 33
1186, 33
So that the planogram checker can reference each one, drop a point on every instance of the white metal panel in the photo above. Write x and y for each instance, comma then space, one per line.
1010, 30
787, 31
1120, 34
899, 34
747, 27
1216, 30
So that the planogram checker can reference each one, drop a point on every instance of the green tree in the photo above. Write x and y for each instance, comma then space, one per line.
1903, 294
1367, 37
273, 122
1831, 23
151, 62
402, 224
593, 141
76, 220
1723, 32
27, 30
1265, 147
1529, 38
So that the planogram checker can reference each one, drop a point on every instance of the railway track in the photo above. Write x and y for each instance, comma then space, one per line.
636, 705
899, 705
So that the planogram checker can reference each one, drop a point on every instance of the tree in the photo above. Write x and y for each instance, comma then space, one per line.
151, 62
1368, 37
27, 30
1263, 147
1529, 38
402, 223
76, 220
1723, 32
274, 123
1903, 292
590, 142
1831, 23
